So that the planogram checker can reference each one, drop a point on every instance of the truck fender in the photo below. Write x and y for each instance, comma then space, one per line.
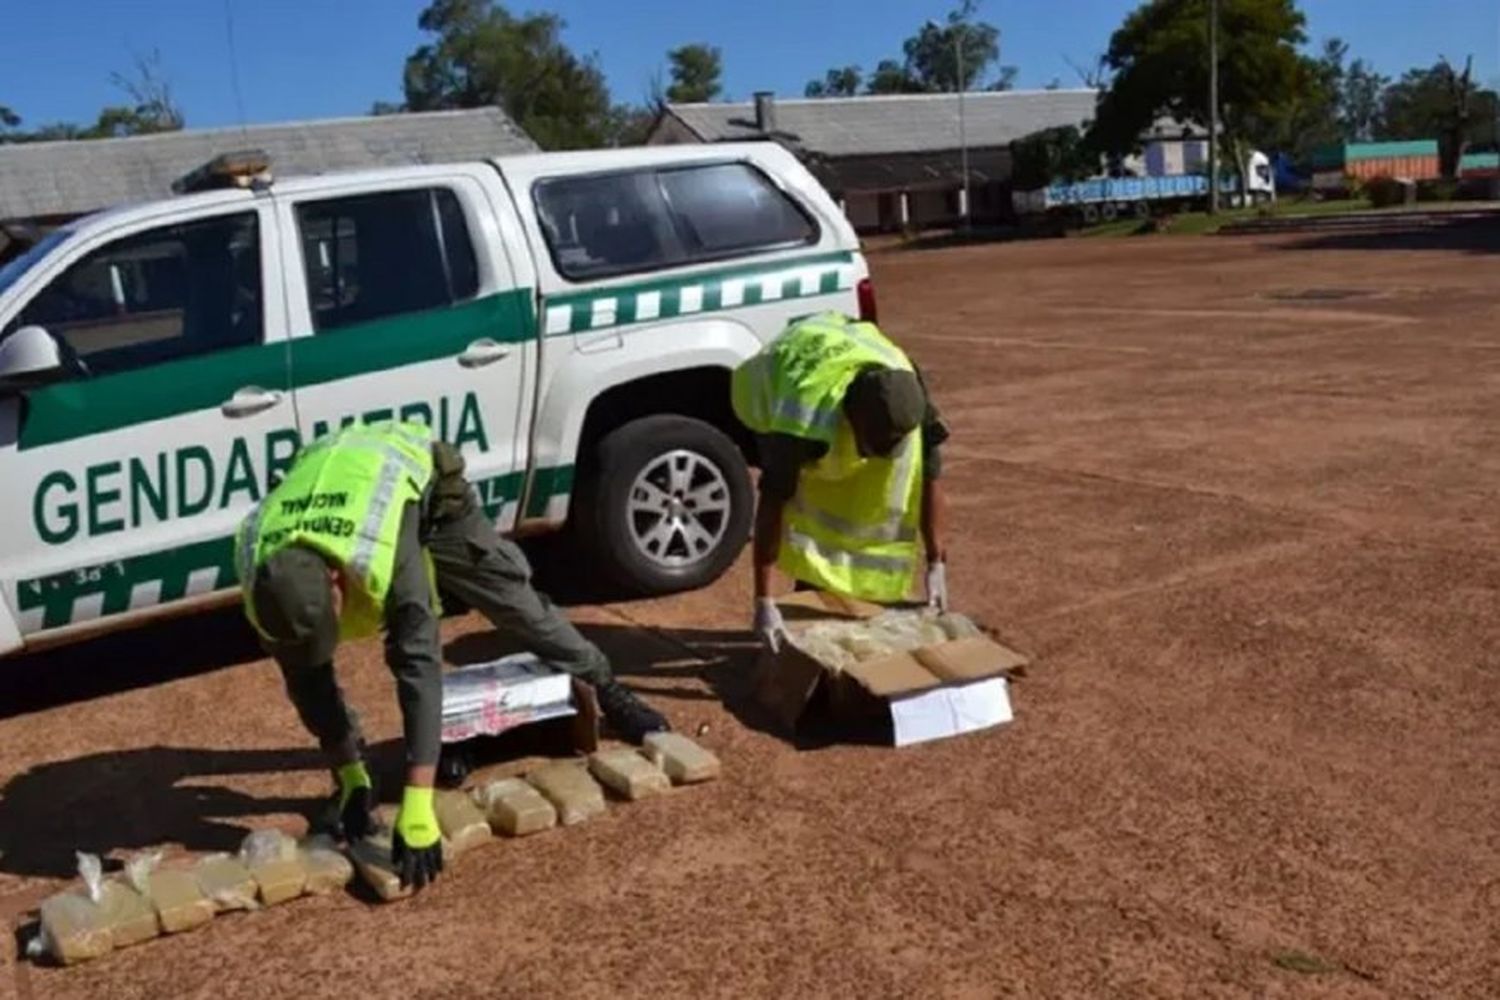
640, 351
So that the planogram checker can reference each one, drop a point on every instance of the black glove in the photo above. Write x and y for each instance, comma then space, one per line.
417, 843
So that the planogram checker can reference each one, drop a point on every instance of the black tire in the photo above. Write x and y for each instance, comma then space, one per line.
609, 530
1090, 214
1141, 210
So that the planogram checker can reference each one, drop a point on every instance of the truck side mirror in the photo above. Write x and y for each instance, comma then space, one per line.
30, 357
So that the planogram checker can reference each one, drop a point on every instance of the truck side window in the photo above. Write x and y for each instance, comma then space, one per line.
156, 296
730, 207
377, 255
643, 220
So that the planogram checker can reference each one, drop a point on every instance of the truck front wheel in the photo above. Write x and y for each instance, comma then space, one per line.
666, 504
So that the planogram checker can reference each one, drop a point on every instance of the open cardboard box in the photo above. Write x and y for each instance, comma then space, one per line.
938, 690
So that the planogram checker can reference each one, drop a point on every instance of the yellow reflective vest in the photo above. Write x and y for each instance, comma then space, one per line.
343, 498
853, 525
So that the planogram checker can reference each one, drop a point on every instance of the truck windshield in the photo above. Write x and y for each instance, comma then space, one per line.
11, 273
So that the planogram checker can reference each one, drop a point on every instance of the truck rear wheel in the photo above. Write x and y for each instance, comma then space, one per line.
666, 505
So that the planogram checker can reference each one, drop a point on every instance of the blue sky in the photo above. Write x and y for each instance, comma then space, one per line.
324, 58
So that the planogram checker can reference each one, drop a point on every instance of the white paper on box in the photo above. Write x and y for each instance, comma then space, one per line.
949, 711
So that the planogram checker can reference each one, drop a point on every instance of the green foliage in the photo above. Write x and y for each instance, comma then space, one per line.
1385, 192
933, 56
952, 56
1052, 155
630, 125
1439, 190
1160, 64
1005, 78
696, 70
891, 77
480, 54
841, 82
1440, 103
151, 109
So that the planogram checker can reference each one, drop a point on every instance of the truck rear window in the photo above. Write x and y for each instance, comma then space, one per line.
603, 225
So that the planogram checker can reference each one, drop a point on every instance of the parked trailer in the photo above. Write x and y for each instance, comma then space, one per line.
1105, 199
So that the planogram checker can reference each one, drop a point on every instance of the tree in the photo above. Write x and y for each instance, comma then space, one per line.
1440, 103
1053, 155
630, 125
152, 107
482, 55
695, 74
891, 77
843, 82
1006, 78
933, 53
1159, 60
1360, 101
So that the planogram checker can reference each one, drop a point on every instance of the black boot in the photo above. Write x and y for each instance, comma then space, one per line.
627, 714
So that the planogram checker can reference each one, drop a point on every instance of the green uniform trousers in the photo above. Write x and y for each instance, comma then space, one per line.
474, 565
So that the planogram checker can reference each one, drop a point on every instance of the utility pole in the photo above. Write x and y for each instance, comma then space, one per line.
1213, 107
963, 135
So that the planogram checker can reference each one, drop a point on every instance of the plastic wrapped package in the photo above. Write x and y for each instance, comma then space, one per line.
372, 859
276, 865
226, 881
958, 626
628, 774
837, 645
514, 807
464, 826
327, 868
127, 914
179, 900
684, 761
568, 786
73, 930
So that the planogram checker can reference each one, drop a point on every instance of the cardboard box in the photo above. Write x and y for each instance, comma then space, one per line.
934, 691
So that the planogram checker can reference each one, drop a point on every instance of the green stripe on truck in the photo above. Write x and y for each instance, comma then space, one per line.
87, 406
146, 581
705, 292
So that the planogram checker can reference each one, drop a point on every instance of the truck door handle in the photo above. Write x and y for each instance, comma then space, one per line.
483, 352
250, 400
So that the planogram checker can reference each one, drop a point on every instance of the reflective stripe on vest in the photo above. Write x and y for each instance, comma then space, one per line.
853, 525
846, 558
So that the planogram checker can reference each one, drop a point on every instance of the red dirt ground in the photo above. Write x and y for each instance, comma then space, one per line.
1244, 521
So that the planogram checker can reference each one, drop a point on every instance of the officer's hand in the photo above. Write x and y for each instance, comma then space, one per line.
356, 799
937, 586
769, 626
416, 844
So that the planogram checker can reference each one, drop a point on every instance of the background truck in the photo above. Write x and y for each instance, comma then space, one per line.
569, 321
1108, 198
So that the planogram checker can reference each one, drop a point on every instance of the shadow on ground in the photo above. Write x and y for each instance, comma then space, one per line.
134, 799
1464, 235
162, 651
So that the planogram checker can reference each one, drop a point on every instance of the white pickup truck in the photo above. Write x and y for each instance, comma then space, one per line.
569, 321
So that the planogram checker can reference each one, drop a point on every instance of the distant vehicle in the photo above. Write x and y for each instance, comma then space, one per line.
568, 320
1105, 199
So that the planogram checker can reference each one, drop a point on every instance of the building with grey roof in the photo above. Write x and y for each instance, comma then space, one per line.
893, 160
45, 183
